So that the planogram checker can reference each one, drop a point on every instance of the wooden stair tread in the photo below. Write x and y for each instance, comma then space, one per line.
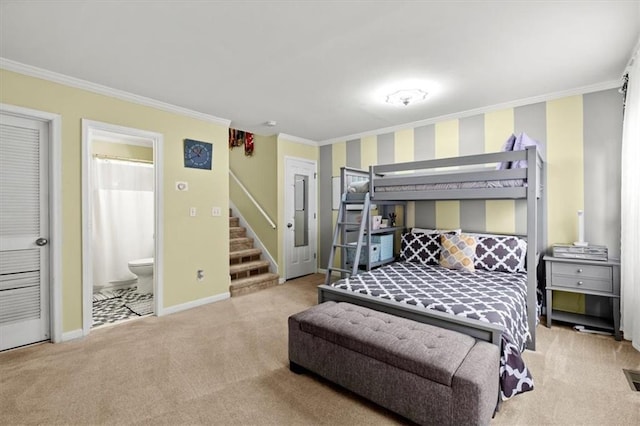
240, 243
244, 253
254, 283
240, 239
237, 232
247, 266
242, 282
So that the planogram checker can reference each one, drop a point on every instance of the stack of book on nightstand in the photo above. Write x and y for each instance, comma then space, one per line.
580, 252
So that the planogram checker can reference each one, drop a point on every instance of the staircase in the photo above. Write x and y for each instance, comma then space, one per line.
249, 273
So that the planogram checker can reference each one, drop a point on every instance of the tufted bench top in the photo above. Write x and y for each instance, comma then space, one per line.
422, 349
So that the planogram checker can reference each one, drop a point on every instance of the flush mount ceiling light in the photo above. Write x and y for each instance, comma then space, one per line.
405, 97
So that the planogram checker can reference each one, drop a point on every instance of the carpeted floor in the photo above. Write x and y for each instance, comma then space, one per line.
226, 364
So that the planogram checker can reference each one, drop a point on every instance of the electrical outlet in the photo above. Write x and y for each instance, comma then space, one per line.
216, 211
192, 212
200, 274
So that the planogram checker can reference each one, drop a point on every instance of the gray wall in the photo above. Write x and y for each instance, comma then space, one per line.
602, 147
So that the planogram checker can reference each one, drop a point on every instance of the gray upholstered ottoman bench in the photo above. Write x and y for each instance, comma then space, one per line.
424, 373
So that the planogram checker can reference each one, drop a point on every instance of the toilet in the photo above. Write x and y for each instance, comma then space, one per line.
143, 269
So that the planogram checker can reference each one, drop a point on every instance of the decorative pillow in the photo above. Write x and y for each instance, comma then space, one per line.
360, 186
458, 252
500, 254
420, 248
522, 266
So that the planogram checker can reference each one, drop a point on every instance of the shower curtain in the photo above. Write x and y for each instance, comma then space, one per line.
123, 218
630, 212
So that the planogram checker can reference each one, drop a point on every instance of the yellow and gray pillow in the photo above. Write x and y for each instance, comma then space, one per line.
458, 252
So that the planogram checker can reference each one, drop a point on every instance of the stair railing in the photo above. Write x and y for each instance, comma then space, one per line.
253, 200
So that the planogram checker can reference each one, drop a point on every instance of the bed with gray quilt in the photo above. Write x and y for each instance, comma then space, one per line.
497, 299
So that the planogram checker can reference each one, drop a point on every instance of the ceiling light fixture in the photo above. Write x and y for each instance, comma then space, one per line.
406, 96
270, 123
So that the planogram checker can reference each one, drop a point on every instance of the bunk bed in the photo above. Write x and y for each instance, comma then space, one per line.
518, 175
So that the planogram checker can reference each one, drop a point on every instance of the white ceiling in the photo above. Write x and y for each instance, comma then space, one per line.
314, 66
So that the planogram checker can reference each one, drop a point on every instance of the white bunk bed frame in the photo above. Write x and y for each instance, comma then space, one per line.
535, 177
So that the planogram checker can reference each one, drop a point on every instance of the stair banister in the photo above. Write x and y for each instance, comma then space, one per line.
253, 200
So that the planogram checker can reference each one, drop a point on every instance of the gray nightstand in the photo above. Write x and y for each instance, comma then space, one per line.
589, 277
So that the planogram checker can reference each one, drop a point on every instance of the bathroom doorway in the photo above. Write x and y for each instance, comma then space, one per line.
120, 224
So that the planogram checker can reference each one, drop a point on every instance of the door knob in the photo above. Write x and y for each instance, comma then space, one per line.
289, 225
42, 242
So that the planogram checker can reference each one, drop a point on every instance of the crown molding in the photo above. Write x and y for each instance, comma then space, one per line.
613, 84
54, 77
635, 53
297, 139
29, 70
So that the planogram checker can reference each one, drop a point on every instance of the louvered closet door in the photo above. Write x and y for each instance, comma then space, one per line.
24, 252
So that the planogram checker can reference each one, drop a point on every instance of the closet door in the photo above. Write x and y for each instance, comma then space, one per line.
24, 249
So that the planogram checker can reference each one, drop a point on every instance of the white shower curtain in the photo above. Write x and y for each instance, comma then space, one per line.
630, 244
123, 218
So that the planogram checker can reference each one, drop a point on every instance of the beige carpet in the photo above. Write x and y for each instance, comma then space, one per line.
226, 364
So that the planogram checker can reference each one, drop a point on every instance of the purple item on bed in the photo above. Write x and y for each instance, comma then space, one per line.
521, 143
507, 146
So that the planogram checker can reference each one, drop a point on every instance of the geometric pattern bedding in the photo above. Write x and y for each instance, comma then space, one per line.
420, 248
500, 254
493, 297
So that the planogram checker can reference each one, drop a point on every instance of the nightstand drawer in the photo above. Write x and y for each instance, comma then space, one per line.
579, 271
577, 282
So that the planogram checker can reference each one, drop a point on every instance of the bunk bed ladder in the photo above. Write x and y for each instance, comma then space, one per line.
340, 236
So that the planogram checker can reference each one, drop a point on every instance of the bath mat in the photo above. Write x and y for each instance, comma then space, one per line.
105, 295
141, 307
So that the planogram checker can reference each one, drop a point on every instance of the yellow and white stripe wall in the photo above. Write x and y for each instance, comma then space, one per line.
582, 142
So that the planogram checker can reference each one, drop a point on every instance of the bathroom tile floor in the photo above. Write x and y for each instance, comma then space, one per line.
113, 305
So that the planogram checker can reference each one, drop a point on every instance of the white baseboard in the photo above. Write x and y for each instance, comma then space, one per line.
194, 304
72, 335
324, 271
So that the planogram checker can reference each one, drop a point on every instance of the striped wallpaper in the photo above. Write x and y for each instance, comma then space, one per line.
582, 139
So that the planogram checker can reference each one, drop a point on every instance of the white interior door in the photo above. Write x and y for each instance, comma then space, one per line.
300, 218
24, 228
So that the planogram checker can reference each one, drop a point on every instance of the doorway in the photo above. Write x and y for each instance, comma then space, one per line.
121, 228
300, 234
30, 228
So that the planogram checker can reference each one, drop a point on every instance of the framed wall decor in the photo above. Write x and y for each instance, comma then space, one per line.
198, 155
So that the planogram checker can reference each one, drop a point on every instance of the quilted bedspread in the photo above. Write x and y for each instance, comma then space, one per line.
494, 297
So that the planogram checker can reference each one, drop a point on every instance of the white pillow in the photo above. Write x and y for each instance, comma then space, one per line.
362, 186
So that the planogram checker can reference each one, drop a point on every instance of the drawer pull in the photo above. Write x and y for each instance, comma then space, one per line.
580, 283
579, 270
